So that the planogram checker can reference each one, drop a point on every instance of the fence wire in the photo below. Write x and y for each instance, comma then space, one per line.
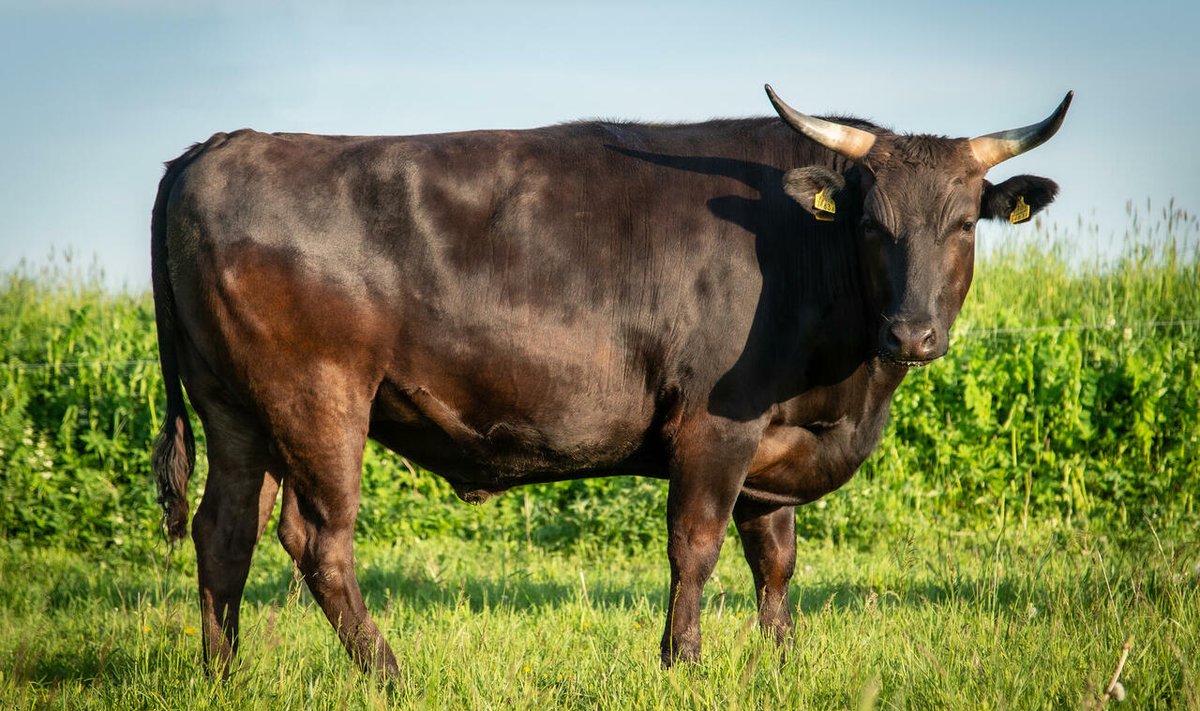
1118, 327
77, 364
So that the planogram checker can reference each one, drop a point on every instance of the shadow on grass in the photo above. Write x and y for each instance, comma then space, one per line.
86, 663
504, 585
523, 595
107, 660
514, 592
272, 582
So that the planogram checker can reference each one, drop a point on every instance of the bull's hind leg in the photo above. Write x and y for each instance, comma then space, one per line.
238, 498
768, 536
316, 525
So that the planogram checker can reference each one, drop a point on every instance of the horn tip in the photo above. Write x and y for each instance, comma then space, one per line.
774, 99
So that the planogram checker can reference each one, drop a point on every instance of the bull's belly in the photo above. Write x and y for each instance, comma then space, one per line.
487, 446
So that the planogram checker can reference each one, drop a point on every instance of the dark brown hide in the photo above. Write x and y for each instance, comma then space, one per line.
511, 307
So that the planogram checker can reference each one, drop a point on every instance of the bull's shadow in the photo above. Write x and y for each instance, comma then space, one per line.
809, 272
113, 658
516, 590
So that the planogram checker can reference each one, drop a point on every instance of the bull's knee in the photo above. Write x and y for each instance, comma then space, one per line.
202, 526
293, 536
206, 537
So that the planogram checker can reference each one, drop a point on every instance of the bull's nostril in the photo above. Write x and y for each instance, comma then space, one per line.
911, 340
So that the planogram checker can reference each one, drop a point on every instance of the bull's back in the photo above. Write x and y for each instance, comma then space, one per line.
504, 312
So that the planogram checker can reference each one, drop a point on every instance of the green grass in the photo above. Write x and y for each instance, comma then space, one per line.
1033, 504
1018, 619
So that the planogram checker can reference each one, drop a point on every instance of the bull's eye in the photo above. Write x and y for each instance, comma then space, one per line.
874, 228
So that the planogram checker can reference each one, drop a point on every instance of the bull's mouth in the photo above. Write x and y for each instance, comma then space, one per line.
892, 359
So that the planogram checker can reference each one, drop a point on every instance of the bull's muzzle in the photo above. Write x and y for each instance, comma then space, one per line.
913, 342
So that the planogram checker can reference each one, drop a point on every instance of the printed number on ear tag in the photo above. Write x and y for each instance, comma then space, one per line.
824, 205
1020, 213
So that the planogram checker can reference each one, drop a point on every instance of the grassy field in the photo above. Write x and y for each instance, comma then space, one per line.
1020, 619
1033, 506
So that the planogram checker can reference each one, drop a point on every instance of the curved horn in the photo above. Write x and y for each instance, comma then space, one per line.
846, 140
998, 147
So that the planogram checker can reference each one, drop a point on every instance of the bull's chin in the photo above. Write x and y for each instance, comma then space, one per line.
894, 360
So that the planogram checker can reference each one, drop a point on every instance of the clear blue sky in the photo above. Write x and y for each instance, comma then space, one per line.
96, 94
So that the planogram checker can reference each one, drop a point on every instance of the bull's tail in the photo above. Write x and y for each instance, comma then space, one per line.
174, 449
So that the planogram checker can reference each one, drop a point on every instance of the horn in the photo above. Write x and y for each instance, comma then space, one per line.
998, 147
851, 142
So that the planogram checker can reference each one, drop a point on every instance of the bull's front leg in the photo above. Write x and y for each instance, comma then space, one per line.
709, 465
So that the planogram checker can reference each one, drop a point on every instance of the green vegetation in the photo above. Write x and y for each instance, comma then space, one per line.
1071, 394
1035, 620
1033, 504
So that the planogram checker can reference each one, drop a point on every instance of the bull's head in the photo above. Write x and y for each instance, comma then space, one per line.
915, 200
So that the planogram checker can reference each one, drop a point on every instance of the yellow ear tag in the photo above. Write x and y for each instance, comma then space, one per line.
1020, 213
824, 205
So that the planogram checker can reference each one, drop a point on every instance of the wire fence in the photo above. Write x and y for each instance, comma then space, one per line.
1116, 327
969, 333
78, 364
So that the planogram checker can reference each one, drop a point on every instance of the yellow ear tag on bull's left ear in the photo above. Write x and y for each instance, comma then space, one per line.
824, 205
1020, 213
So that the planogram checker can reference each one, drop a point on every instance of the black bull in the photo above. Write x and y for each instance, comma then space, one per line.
727, 305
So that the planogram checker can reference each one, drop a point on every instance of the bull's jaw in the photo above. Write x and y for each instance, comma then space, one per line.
889, 359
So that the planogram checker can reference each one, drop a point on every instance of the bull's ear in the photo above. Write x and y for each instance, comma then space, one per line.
1017, 199
816, 189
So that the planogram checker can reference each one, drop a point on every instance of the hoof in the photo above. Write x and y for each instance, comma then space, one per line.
680, 653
